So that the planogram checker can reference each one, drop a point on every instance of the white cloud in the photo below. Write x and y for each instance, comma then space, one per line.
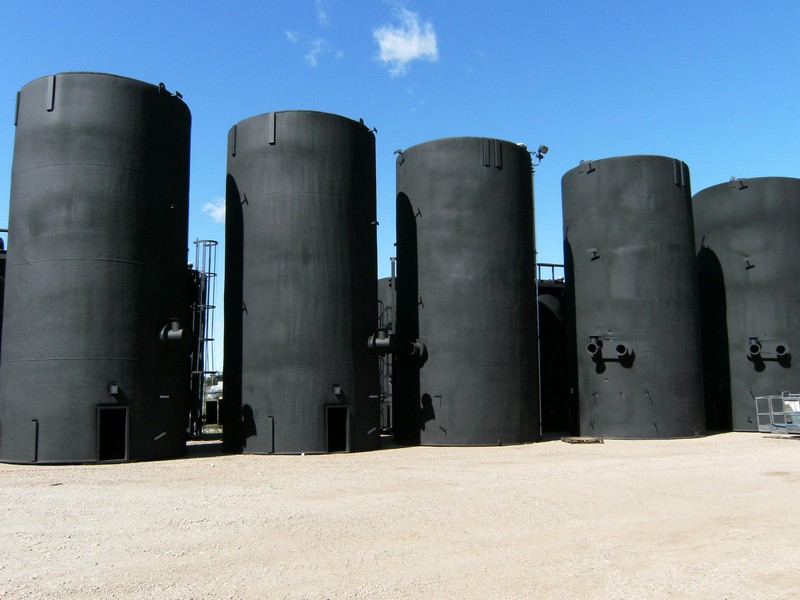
322, 11
409, 41
317, 47
216, 209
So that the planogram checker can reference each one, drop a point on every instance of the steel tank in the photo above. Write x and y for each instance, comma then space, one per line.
632, 295
747, 243
300, 285
2, 283
95, 360
465, 295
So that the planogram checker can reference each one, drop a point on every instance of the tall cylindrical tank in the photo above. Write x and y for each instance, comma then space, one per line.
465, 294
747, 237
631, 284
300, 285
94, 363
2, 281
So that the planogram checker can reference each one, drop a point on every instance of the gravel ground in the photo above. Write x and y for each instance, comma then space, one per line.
713, 517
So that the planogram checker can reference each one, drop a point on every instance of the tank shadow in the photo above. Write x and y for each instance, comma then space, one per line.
406, 407
426, 413
714, 337
234, 309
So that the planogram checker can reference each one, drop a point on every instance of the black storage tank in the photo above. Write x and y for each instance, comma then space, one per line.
747, 237
2, 281
632, 293
94, 364
465, 294
300, 285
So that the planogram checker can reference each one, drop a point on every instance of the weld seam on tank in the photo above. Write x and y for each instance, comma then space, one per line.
84, 164
77, 359
298, 194
137, 263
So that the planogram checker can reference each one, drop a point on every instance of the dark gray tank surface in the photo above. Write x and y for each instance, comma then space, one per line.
96, 270
300, 285
2, 281
632, 295
466, 289
747, 233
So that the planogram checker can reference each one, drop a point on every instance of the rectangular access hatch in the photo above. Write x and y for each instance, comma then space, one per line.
112, 433
336, 422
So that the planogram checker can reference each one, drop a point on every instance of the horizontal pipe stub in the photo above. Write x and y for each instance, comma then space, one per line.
753, 348
601, 348
757, 349
382, 342
174, 336
623, 349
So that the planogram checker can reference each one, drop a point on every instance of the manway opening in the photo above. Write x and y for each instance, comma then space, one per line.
336, 428
112, 433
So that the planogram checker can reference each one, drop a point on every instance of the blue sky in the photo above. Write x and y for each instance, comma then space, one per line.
712, 83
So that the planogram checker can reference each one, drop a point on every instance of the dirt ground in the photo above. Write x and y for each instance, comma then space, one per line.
714, 517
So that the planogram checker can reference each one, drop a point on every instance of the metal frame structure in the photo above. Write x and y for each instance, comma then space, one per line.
203, 363
778, 413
